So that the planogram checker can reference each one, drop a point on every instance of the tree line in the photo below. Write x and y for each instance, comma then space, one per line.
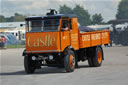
16, 18
122, 11
83, 15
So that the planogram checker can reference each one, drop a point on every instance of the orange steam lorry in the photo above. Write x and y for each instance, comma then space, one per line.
55, 40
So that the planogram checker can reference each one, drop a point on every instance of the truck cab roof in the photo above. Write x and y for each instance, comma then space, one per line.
57, 16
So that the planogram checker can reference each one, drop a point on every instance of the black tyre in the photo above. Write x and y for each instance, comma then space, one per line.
90, 54
90, 62
29, 65
95, 56
69, 61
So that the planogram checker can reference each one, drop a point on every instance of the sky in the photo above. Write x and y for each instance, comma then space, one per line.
108, 8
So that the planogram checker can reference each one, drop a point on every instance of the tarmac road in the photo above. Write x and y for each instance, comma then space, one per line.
114, 70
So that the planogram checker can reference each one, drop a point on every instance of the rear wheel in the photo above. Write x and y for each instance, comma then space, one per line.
95, 56
69, 61
29, 65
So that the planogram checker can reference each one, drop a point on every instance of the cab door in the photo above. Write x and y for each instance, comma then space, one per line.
74, 33
64, 34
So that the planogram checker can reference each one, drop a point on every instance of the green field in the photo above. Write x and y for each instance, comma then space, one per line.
15, 46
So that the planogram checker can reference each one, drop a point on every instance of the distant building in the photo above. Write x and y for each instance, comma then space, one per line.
101, 27
121, 27
14, 28
120, 24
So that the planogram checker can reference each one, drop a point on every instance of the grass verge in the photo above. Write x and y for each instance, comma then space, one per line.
15, 46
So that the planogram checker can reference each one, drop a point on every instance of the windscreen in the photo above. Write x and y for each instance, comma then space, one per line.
35, 26
51, 24
43, 25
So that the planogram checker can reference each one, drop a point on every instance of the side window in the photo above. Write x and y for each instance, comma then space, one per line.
70, 23
65, 25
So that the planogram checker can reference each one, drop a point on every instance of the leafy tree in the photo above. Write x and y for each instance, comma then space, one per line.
10, 19
65, 10
82, 14
2, 18
15, 18
18, 17
122, 10
97, 19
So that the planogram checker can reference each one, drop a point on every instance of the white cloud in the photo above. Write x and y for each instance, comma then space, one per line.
37, 5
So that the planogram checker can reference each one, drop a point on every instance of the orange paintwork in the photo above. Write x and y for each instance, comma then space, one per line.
42, 42
65, 40
74, 34
70, 37
95, 38
47, 42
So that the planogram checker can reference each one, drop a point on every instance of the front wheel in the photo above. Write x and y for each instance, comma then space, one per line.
69, 61
29, 65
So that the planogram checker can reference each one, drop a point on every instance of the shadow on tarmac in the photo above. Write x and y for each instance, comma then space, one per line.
44, 70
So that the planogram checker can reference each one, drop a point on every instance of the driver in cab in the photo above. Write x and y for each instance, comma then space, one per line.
65, 27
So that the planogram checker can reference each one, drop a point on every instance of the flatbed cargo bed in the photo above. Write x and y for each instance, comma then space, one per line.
89, 39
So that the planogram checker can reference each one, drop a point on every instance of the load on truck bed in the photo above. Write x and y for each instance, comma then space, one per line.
55, 40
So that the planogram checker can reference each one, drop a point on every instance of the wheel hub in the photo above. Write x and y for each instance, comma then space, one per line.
99, 57
72, 61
